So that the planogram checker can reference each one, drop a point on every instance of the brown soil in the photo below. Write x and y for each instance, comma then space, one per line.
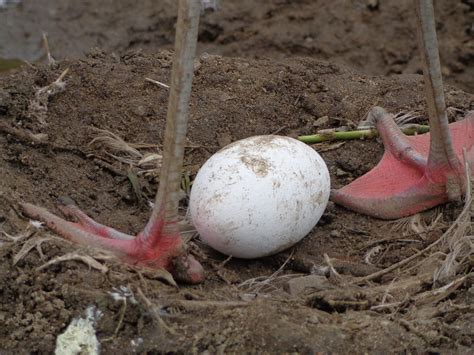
232, 99
375, 37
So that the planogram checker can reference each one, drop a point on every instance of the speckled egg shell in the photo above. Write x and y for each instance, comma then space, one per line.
259, 196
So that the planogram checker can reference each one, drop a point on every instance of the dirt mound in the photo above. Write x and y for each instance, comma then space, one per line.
240, 307
374, 37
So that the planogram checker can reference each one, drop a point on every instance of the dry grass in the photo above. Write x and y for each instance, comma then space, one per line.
458, 246
38, 106
114, 146
403, 120
443, 263
419, 224
267, 284
447, 259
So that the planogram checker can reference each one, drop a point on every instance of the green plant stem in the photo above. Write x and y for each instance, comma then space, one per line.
349, 135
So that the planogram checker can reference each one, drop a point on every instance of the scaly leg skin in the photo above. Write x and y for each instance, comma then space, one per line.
168, 252
404, 182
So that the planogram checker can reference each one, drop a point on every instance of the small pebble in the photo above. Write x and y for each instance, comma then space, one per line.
321, 121
341, 173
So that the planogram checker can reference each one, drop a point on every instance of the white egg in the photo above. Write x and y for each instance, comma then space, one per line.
259, 196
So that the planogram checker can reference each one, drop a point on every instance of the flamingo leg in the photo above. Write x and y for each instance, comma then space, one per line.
416, 173
159, 245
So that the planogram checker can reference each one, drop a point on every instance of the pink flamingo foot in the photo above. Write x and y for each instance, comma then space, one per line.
405, 182
158, 247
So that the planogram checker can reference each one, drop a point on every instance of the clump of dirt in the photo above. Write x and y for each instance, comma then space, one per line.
375, 37
239, 308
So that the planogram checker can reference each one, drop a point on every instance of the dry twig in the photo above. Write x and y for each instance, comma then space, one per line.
51, 61
459, 245
159, 83
28, 246
257, 284
38, 107
86, 259
333, 274
154, 312
204, 304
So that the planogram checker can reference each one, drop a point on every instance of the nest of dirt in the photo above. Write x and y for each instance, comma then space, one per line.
353, 284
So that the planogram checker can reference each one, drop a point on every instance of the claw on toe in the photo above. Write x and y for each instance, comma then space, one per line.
167, 249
